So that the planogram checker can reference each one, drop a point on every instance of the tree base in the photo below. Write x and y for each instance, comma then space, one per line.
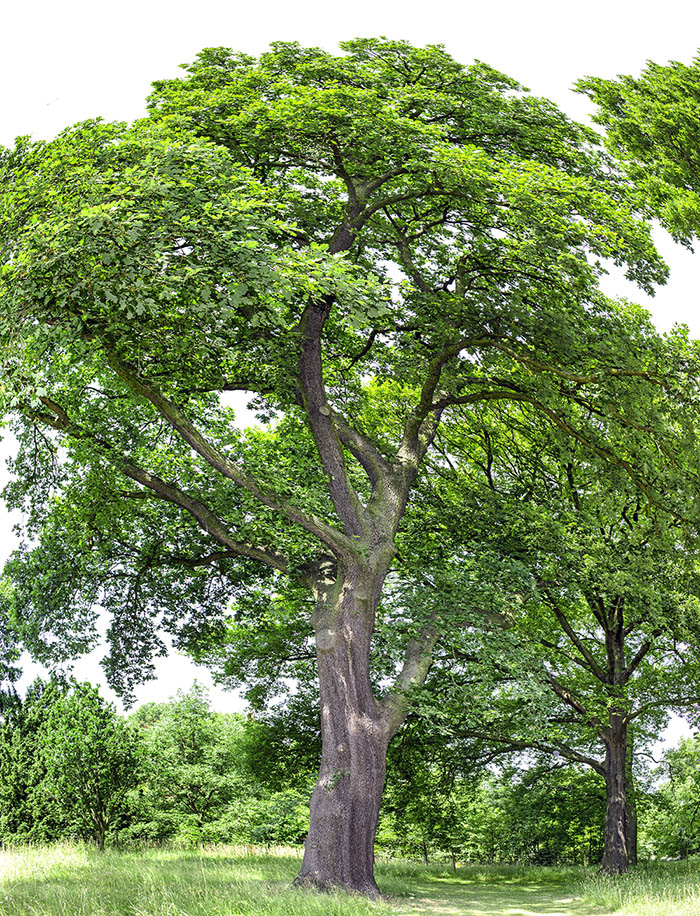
312, 882
615, 868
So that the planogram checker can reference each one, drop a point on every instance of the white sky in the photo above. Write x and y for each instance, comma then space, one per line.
62, 62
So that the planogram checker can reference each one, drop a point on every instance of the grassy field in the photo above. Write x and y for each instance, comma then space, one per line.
77, 881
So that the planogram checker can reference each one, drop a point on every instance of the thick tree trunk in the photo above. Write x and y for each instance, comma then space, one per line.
339, 849
615, 854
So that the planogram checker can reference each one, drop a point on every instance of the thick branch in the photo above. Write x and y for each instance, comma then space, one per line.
687, 702
210, 522
193, 562
417, 662
573, 701
555, 747
636, 661
321, 423
415, 438
207, 520
373, 462
586, 653
217, 460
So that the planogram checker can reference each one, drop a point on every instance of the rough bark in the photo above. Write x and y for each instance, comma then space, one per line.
615, 854
339, 849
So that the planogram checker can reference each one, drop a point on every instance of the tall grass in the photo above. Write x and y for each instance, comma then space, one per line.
74, 880
78, 881
661, 889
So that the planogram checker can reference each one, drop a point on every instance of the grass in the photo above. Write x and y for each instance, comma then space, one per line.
664, 889
231, 881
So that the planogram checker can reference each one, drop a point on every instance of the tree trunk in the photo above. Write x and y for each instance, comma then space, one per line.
631, 807
631, 831
339, 849
615, 854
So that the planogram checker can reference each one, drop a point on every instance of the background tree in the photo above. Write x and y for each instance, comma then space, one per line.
361, 242
672, 820
27, 813
91, 761
652, 125
191, 770
607, 617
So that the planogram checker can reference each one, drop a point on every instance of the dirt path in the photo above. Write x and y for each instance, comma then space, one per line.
442, 897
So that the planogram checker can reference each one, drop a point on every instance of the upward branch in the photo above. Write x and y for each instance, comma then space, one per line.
582, 648
329, 536
575, 703
320, 419
417, 433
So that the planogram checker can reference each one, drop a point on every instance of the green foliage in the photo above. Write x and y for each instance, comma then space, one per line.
456, 225
394, 256
652, 127
27, 812
442, 802
91, 762
191, 760
672, 821
601, 588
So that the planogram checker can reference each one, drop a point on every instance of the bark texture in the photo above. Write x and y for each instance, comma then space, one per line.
631, 806
339, 850
616, 855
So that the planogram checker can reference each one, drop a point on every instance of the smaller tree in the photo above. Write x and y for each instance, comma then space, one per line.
191, 765
26, 815
91, 761
672, 825
604, 594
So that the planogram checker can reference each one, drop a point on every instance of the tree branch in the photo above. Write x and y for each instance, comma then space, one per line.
555, 747
373, 462
413, 444
573, 701
209, 522
636, 661
587, 655
323, 429
217, 460
417, 662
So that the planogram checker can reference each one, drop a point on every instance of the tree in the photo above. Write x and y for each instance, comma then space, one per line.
91, 761
360, 242
27, 814
652, 127
190, 772
673, 821
608, 621
9, 648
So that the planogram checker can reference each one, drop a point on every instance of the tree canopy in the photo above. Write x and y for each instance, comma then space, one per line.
369, 245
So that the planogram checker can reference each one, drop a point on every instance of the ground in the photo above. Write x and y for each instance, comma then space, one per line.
234, 881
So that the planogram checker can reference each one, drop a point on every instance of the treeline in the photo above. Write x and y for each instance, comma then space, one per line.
72, 768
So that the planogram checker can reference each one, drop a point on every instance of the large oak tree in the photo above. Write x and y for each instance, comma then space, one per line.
360, 242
